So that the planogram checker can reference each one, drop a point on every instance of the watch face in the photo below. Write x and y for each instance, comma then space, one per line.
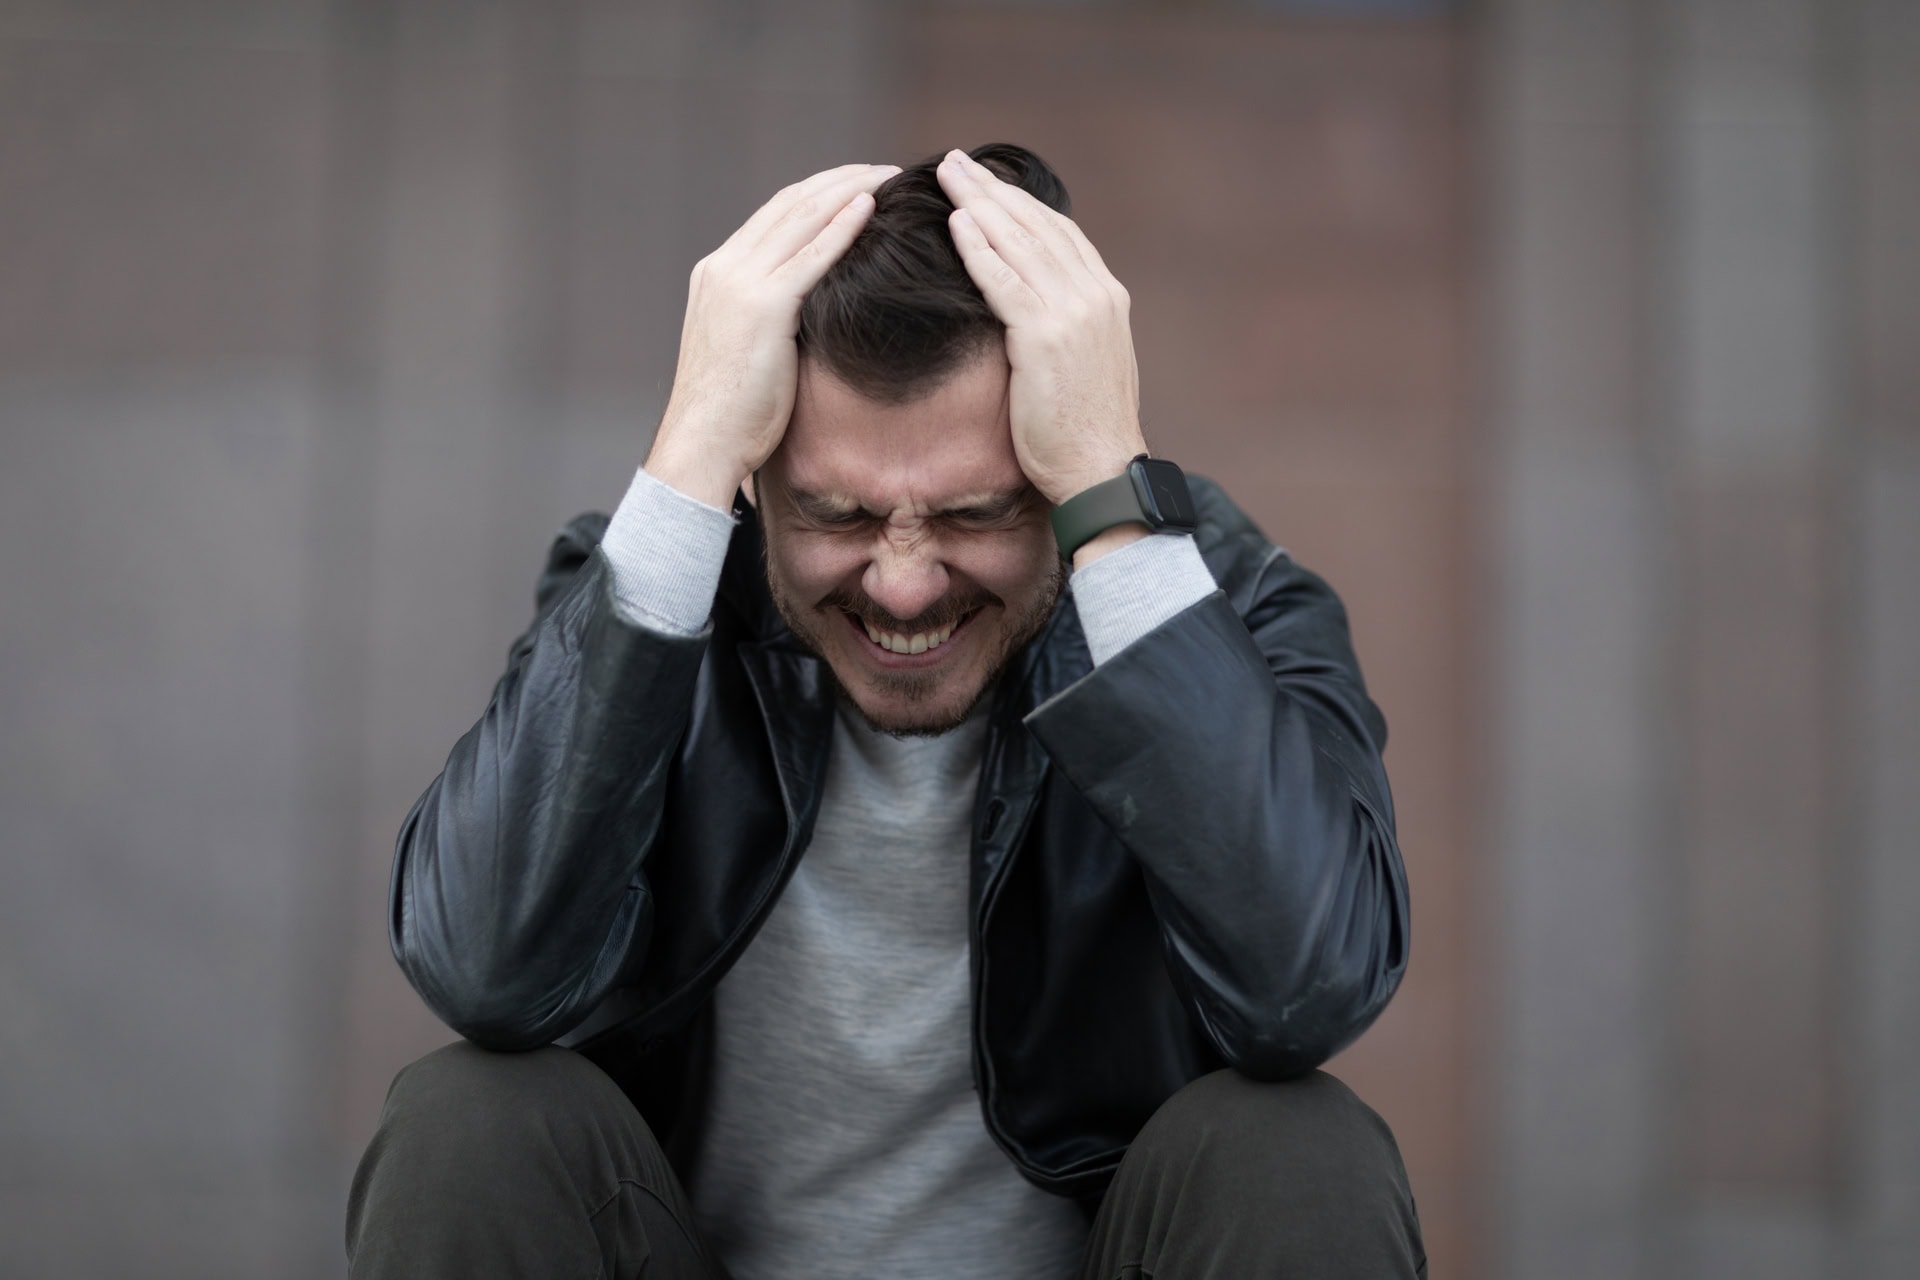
1162, 488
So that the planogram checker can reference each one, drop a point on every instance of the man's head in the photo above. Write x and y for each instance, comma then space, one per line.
898, 311
895, 511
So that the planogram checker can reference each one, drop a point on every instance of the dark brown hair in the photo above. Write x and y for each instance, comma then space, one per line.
898, 311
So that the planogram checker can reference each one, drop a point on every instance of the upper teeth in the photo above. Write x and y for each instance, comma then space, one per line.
919, 642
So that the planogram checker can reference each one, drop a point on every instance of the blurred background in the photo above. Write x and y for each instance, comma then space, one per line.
1576, 341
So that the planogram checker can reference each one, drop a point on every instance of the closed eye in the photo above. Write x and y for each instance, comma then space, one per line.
821, 512
980, 517
831, 515
994, 513
841, 519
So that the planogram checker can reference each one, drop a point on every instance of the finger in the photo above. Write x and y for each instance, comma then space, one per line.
1048, 225
783, 201
1088, 253
812, 260
1096, 265
770, 212
803, 219
1015, 244
1038, 213
1009, 295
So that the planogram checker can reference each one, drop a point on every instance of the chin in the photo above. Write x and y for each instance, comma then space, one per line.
908, 710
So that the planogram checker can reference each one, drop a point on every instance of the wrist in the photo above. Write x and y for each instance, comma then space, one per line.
1105, 466
698, 475
1121, 535
1147, 496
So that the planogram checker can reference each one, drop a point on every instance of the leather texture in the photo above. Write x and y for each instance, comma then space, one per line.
1182, 860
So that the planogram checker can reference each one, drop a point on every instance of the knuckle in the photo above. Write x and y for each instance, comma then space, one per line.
778, 304
1049, 336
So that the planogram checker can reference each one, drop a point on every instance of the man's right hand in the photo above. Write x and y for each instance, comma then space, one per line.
733, 388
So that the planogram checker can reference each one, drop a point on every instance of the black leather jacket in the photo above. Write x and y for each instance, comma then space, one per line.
1182, 860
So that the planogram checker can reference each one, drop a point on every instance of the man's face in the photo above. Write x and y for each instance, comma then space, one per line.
904, 544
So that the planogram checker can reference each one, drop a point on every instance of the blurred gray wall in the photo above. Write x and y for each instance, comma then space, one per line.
317, 321
1704, 278
1575, 339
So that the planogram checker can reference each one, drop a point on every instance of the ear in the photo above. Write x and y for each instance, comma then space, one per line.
747, 489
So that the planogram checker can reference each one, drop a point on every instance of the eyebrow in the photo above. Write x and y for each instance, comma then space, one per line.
992, 506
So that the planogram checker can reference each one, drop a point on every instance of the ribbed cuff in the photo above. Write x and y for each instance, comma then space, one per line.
665, 550
1127, 593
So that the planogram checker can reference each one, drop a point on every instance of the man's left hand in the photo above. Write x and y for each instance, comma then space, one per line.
1075, 389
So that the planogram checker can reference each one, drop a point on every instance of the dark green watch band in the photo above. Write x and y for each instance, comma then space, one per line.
1151, 491
1092, 512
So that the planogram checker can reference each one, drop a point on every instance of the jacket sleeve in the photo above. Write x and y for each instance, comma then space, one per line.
519, 895
1235, 753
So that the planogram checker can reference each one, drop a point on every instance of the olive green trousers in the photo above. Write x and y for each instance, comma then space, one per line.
535, 1164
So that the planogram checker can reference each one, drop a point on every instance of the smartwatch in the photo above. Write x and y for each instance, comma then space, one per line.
1151, 491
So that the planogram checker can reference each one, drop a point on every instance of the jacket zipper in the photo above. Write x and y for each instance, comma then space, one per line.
989, 896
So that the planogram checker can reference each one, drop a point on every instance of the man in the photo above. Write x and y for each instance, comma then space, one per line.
1092, 882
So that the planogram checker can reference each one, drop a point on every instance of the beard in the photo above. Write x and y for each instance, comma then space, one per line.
918, 690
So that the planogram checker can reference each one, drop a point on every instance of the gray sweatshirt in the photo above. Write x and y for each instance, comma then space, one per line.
844, 1137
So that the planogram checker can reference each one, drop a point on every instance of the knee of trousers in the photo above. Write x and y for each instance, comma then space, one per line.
1310, 1129
466, 1108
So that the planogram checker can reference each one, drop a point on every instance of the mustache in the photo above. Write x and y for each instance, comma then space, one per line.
948, 609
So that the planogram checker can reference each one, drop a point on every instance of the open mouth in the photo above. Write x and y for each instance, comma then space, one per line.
896, 644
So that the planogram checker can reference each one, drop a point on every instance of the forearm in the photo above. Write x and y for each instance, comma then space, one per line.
1247, 784
519, 886
665, 546
1136, 587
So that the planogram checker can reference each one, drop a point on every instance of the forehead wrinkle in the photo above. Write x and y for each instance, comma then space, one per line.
948, 449
917, 475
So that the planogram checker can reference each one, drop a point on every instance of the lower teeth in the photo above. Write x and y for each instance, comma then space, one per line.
931, 643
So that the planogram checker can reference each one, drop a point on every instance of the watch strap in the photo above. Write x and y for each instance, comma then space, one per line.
1093, 511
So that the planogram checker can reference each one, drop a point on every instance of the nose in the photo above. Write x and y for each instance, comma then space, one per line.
905, 579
